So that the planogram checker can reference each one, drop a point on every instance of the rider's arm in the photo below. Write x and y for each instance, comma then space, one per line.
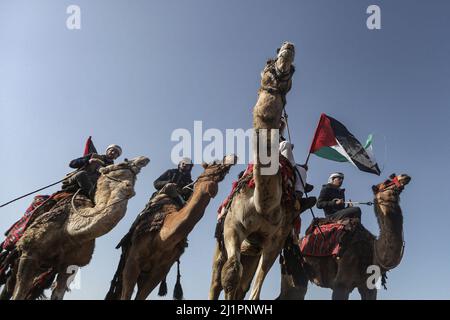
80, 162
324, 200
162, 180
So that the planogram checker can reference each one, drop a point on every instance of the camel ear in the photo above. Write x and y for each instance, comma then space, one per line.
392, 176
374, 189
278, 50
204, 165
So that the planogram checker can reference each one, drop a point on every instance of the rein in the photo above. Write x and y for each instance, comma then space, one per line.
188, 186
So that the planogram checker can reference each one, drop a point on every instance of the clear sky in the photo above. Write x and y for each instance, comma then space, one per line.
137, 70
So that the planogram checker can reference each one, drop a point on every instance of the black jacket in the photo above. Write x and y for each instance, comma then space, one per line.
175, 176
86, 175
325, 200
82, 161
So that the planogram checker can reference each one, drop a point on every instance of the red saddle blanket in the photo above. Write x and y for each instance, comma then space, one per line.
17, 229
327, 243
288, 178
40, 203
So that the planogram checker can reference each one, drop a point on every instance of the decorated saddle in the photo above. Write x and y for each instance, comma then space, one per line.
288, 185
39, 205
247, 180
151, 218
326, 237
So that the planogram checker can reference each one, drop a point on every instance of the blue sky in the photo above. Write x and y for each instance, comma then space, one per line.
138, 70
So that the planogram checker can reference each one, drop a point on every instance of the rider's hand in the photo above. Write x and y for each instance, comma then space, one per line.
338, 202
350, 203
170, 189
96, 161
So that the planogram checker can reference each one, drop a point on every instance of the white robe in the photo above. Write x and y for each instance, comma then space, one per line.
286, 151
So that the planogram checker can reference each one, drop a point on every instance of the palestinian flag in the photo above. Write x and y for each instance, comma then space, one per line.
333, 141
89, 147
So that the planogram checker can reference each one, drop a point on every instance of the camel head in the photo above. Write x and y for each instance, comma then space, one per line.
214, 173
388, 192
135, 165
285, 58
123, 173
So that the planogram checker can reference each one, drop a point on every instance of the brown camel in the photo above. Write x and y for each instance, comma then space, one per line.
256, 219
362, 255
65, 236
149, 251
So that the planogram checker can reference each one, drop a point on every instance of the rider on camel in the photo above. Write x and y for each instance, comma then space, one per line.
332, 199
173, 181
89, 165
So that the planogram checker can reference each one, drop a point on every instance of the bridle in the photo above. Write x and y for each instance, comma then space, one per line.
118, 180
394, 184
222, 174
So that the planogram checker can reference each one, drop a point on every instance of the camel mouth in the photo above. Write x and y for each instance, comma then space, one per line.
141, 161
404, 179
230, 160
286, 47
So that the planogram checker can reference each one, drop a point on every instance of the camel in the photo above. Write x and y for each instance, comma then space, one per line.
65, 236
255, 224
352, 269
148, 252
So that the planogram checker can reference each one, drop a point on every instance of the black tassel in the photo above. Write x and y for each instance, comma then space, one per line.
162, 288
178, 290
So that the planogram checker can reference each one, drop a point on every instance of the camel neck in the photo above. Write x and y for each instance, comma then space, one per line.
90, 223
185, 219
195, 207
389, 244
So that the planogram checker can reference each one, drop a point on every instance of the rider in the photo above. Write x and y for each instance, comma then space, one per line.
88, 174
301, 186
332, 199
176, 180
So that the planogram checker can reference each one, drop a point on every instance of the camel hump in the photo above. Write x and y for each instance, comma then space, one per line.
150, 219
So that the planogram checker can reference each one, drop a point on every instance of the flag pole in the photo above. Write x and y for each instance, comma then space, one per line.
315, 136
307, 158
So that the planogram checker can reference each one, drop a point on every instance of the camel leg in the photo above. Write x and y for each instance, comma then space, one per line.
347, 269
25, 276
249, 265
61, 286
148, 281
232, 269
341, 292
268, 257
216, 285
290, 291
130, 276
8, 288
367, 294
